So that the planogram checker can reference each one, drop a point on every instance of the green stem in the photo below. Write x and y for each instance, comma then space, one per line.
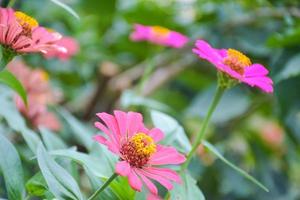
6, 57
149, 69
103, 186
200, 135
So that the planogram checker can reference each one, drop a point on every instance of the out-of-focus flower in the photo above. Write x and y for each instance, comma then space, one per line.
20, 33
69, 43
272, 134
39, 94
140, 155
236, 65
158, 35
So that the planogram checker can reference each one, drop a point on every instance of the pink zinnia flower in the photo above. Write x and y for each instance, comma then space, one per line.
158, 35
236, 65
39, 94
69, 43
21, 33
140, 155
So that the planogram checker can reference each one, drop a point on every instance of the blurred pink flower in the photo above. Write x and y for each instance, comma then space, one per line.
140, 155
272, 134
236, 65
69, 43
158, 35
22, 33
39, 94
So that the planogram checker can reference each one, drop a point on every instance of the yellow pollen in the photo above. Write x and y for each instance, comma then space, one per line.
160, 31
44, 75
26, 21
236, 60
144, 144
239, 57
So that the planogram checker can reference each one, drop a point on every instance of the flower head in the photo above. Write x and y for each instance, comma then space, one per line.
139, 153
39, 94
236, 65
158, 35
21, 33
69, 43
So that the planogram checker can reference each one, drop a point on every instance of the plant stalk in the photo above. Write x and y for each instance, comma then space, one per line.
103, 187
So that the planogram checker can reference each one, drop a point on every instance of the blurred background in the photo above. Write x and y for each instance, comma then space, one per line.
258, 132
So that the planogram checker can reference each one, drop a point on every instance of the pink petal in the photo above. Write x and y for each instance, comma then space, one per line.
111, 123
134, 122
163, 181
111, 136
121, 118
205, 51
152, 188
100, 139
166, 173
166, 156
151, 196
255, 70
156, 134
123, 168
134, 181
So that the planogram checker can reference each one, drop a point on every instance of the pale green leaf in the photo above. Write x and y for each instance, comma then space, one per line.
61, 184
239, 170
11, 167
67, 8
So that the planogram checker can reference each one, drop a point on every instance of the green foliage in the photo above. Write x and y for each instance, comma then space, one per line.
11, 168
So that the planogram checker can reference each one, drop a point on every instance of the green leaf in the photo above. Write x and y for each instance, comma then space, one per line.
122, 189
37, 186
16, 122
233, 103
96, 165
51, 140
130, 98
67, 8
291, 69
11, 168
174, 133
82, 134
60, 182
187, 190
10, 80
239, 170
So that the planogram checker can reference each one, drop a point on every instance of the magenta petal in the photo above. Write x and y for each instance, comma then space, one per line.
156, 134
108, 133
264, 83
165, 156
134, 181
111, 124
123, 168
255, 70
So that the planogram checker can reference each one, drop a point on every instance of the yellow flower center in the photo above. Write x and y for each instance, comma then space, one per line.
237, 61
160, 31
138, 149
27, 22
